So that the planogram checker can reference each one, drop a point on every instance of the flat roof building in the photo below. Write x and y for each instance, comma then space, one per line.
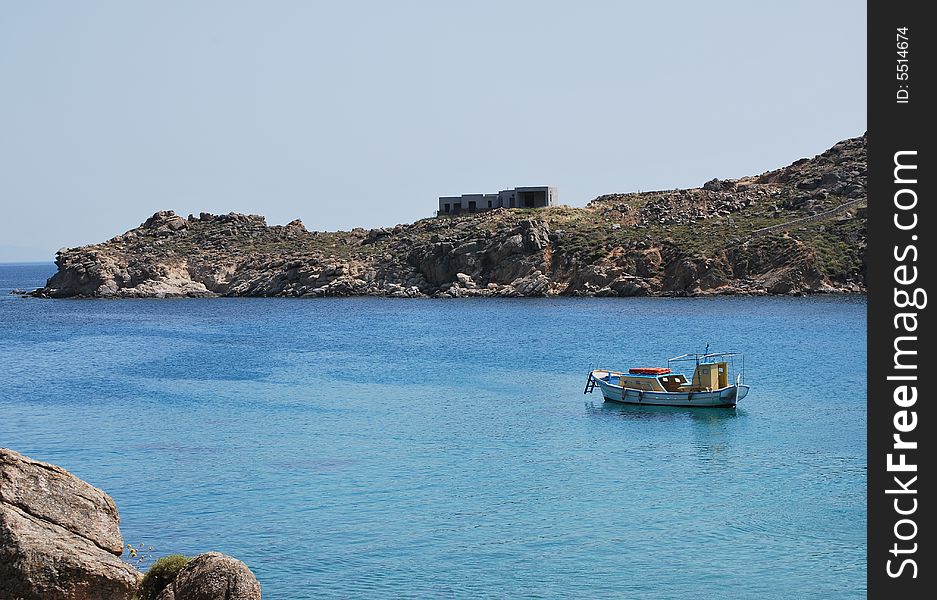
520, 197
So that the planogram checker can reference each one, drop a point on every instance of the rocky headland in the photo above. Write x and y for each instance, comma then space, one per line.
800, 229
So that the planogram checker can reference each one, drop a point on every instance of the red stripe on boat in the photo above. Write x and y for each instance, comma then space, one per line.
649, 371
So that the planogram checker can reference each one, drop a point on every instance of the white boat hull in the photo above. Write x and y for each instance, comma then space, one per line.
728, 396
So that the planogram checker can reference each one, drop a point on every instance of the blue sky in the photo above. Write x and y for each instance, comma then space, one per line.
361, 113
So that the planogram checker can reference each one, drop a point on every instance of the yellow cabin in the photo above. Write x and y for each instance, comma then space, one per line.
711, 376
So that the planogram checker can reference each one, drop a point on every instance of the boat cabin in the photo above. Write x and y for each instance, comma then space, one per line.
638, 381
711, 376
706, 377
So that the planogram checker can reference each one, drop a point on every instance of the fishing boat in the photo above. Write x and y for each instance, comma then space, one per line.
664, 386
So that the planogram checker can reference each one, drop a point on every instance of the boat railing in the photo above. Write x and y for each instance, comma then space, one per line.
735, 361
704, 358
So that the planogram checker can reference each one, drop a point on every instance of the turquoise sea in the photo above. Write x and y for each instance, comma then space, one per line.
375, 448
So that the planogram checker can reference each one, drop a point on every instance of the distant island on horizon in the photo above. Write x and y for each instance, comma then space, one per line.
800, 229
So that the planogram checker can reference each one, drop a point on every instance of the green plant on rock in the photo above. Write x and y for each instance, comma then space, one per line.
161, 574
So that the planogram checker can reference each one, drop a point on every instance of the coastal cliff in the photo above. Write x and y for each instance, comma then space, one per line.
799, 229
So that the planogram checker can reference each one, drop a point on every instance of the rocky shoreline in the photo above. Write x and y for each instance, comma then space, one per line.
60, 540
796, 230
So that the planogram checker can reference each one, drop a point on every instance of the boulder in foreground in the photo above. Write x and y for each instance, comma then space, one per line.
59, 536
213, 576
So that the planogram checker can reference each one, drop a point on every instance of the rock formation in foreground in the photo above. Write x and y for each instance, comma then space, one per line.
59, 540
799, 229
58, 536
213, 576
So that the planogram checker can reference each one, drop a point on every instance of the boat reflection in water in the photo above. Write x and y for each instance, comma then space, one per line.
649, 412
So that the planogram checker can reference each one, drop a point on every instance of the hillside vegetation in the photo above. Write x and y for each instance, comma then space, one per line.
799, 229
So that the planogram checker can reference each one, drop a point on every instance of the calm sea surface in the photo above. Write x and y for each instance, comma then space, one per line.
381, 448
